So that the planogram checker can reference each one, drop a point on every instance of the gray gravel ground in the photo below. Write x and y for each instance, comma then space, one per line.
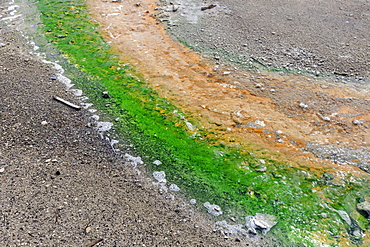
319, 37
61, 184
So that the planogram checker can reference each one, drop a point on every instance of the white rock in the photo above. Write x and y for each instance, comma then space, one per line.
174, 187
175, 8
358, 121
260, 123
278, 132
239, 113
213, 209
157, 163
104, 126
303, 105
190, 126
345, 216
262, 221
258, 85
135, 160
160, 177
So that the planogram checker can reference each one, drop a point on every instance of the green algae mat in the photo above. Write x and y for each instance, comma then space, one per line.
315, 210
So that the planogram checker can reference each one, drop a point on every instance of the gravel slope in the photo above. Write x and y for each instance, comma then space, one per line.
320, 37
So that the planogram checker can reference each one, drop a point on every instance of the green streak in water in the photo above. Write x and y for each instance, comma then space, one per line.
203, 171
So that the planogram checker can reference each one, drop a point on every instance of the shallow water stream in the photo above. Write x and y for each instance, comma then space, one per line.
270, 117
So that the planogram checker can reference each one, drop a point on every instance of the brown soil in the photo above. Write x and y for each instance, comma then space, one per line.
295, 109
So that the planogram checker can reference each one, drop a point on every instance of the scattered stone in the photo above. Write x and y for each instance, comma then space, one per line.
303, 106
174, 187
365, 207
104, 126
358, 121
190, 126
278, 132
256, 124
238, 113
2, 169
252, 231
258, 85
265, 221
344, 216
44, 123
279, 140
357, 232
160, 177
175, 8
326, 119
193, 201
135, 160
261, 221
157, 163
137, 4
213, 209
105, 95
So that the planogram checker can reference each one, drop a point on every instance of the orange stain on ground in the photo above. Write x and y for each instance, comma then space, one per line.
222, 101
